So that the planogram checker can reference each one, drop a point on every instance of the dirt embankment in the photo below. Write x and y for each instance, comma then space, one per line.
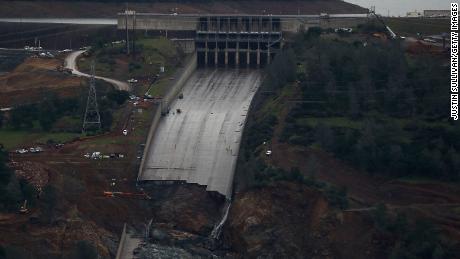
187, 213
34, 79
278, 221
38, 9
185, 207
291, 220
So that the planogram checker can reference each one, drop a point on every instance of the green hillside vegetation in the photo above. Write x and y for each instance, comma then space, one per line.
151, 53
396, 108
412, 26
373, 107
56, 120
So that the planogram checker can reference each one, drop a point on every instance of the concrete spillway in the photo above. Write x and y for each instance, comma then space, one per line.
200, 144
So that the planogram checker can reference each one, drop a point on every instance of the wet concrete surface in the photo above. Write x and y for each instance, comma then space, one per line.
199, 144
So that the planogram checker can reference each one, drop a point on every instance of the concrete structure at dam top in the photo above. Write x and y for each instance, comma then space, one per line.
192, 22
243, 40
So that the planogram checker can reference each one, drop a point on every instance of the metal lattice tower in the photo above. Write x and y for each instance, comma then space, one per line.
92, 118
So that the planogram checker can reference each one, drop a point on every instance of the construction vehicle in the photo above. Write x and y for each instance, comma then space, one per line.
62, 69
23, 209
391, 34
141, 195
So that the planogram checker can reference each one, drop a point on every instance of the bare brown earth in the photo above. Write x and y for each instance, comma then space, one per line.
38, 9
276, 221
288, 220
291, 220
84, 213
34, 79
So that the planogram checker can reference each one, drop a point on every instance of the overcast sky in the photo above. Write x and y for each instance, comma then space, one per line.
400, 7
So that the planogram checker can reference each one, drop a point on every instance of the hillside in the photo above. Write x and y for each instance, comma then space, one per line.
82, 9
346, 155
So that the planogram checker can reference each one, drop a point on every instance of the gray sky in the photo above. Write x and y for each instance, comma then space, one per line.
400, 7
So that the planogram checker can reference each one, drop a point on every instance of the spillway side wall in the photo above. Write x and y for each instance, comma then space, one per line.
175, 88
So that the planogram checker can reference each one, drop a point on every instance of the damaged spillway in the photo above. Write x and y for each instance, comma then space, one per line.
198, 140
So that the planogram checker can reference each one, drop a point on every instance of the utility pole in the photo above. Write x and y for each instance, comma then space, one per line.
134, 33
92, 118
127, 31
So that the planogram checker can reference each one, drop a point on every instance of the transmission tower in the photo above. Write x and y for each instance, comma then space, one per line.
92, 118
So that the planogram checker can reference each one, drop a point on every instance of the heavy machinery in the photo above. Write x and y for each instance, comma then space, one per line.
23, 209
141, 195
391, 34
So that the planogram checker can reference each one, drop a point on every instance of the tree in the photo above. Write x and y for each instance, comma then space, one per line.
312, 165
281, 71
5, 172
28, 191
23, 116
49, 198
83, 250
118, 96
353, 106
2, 118
325, 136
47, 114
380, 215
13, 252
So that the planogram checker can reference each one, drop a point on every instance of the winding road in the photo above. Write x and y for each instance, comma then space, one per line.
71, 63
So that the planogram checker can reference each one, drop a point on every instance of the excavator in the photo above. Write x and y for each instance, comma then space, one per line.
141, 195
23, 209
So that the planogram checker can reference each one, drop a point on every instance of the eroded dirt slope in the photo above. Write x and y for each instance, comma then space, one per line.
34, 79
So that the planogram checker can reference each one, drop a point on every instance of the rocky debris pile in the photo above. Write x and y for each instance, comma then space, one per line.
35, 173
276, 221
151, 251
102, 240
167, 242
188, 207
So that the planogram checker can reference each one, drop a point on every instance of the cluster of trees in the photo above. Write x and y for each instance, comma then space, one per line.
46, 112
52, 108
258, 174
13, 191
387, 148
400, 104
353, 79
417, 239
81, 250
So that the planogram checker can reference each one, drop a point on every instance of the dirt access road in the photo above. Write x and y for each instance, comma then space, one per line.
71, 63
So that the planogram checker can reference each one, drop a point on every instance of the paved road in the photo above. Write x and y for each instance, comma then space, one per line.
200, 144
71, 60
